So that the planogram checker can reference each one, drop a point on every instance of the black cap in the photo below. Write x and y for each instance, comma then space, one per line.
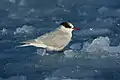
66, 24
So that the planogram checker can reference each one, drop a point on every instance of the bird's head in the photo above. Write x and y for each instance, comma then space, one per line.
67, 27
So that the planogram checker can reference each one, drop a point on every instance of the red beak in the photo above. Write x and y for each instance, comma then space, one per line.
76, 28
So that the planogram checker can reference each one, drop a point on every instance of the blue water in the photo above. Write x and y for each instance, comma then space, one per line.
83, 58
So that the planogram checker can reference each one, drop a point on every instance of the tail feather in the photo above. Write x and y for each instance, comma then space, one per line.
24, 45
32, 43
27, 43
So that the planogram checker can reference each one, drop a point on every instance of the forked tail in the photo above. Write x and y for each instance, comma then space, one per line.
24, 45
32, 43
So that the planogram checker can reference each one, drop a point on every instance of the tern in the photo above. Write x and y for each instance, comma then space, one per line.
55, 40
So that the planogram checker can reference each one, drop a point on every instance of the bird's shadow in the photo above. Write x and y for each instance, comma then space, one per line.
61, 52
55, 52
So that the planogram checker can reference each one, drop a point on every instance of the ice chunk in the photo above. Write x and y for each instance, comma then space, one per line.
99, 44
102, 41
25, 29
85, 46
102, 9
41, 52
4, 31
70, 53
22, 3
31, 10
76, 46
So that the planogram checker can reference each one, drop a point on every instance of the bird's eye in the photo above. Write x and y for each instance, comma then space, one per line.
66, 24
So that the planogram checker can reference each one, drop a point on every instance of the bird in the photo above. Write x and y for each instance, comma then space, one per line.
55, 40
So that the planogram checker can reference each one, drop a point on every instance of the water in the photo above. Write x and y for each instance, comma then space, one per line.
93, 53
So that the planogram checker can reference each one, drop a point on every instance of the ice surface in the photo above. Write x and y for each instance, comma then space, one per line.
106, 12
94, 32
73, 72
24, 29
96, 18
57, 78
114, 49
106, 23
16, 78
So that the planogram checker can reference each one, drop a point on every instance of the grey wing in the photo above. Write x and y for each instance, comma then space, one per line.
39, 39
56, 39
29, 41
33, 43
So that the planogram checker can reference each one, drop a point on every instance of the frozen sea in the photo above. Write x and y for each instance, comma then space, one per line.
93, 53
